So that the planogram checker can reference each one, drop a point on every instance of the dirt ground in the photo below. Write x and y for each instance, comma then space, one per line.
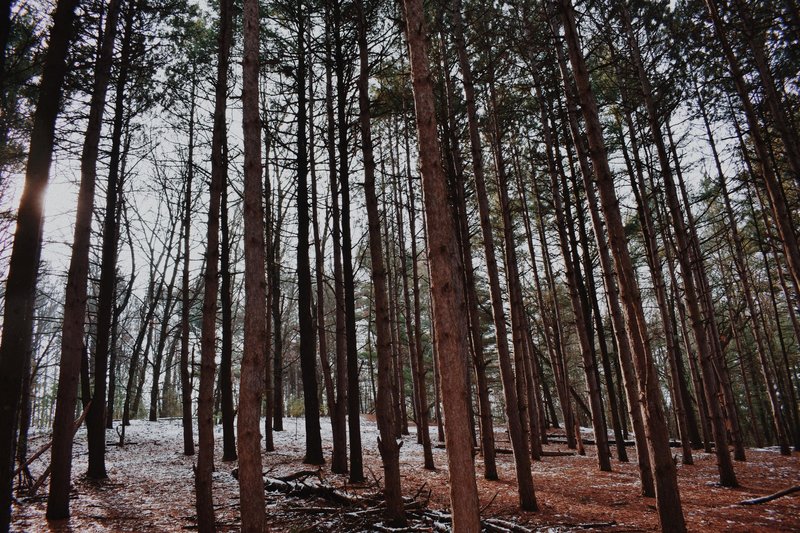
150, 488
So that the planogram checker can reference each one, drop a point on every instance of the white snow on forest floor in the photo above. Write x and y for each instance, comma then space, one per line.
151, 486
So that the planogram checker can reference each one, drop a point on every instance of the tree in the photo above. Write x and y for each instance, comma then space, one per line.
204, 500
72, 342
667, 494
20, 289
308, 362
447, 288
251, 390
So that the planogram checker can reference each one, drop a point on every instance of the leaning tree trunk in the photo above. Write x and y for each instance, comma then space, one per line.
667, 494
20, 297
448, 299
744, 276
72, 337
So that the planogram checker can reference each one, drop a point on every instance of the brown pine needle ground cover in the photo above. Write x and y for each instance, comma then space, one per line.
151, 489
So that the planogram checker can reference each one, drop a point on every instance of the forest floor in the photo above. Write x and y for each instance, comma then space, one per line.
150, 488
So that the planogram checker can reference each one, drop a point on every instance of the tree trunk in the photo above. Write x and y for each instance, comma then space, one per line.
476, 333
204, 502
20, 296
522, 464
388, 445
664, 471
446, 285
308, 357
72, 336
96, 417
186, 300
353, 374
251, 388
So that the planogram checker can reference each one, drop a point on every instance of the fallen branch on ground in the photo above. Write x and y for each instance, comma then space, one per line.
765, 499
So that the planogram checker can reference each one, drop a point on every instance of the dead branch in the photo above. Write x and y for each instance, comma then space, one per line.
765, 499
46, 447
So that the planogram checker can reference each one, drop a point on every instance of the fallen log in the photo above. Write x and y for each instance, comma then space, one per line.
765, 499
546, 453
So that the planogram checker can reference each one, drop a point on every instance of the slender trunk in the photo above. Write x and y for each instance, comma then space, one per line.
308, 358
664, 471
95, 419
522, 464
511, 267
72, 337
251, 388
186, 300
388, 445
335, 409
204, 500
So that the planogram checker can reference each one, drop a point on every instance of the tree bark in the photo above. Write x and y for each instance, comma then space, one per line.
251, 388
664, 471
72, 337
446, 285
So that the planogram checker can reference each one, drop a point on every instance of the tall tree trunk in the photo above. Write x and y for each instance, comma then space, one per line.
186, 300
204, 500
308, 357
446, 285
95, 419
337, 415
20, 296
522, 463
251, 387
388, 445
353, 374
476, 334
664, 471
744, 277
72, 336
